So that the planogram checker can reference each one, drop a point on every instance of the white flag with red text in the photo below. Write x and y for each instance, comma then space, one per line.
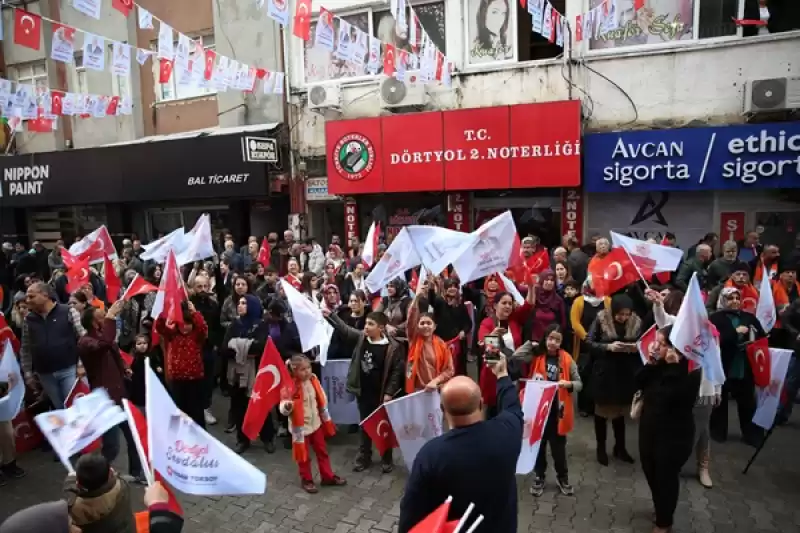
158, 249
400, 256
188, 457
648, 257
197, 244
489, 249
538, 398
437, 246
768, 398
765, 309
371, 245
416, 419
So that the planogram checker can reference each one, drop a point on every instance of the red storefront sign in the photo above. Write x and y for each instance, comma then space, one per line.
458, 211
520, 146
350, 219
731, 226
572, 213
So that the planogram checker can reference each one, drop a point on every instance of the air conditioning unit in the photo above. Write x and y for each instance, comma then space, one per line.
776, 94
409, 92
325, 97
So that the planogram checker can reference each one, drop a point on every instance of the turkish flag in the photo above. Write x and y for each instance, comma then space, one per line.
138, 424
126, 358
57, 105
260, 73
273, 384
174, 293
542, 412
113, 104
164, 70
647, 344
113, 284
264, 253
211, 59
579, 28
27, 436
379, 429
613, 272
388, 60
27, 29
760, 362
81, 388
523, 4
414, 281
434, 522
440, 64
40, 124
638, 4
138, 286
450, 527
302, 20
77, 275
123, 6
95, 246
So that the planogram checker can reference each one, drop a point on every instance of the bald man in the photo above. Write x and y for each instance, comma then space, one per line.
474, 462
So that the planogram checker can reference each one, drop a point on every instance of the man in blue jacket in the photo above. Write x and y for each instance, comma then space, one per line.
474, 462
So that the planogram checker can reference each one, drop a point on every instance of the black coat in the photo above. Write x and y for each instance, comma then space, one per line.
729, 343
669, 393
613, 372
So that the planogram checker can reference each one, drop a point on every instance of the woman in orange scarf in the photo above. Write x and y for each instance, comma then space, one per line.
309, 423
430, 362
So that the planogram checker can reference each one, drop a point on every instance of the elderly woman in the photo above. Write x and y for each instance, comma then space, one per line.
602, 247
736, 329
615, 361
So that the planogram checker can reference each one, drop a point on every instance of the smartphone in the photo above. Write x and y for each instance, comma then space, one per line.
492, 341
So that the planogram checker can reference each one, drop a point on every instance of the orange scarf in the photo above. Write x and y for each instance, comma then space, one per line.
781, 295
749, 296
772, 270
539, 371
415, 354
297, 419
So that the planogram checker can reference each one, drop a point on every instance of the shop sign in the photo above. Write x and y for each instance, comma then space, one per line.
758, 156
350, 219
572, 213
317, 190
458, 211
260, 150
25, 180
731, 226
520, 146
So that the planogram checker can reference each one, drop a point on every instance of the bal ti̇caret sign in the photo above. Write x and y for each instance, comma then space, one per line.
762, 156
25, 181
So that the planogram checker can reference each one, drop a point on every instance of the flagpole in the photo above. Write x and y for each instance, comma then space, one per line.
646, 285
147, 383
475, 524
464, 518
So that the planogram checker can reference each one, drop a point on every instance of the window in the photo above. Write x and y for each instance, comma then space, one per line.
174, 90
80, 83
30, 73
321, 65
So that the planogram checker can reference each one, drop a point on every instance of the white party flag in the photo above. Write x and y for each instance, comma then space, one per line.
765, 310
511, 288
278, 10
121, 62
11, 403
314, 330
400, 256
768, 398
157, 250
88, 7
647, 256
342, 405
692, 334
416, 419
370, 245
166, 42
187, 457
94, 52
145, 19
488, 250
539, 399
197, 244
437, 246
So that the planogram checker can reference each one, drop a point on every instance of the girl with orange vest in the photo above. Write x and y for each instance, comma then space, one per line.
430, 362
551, 363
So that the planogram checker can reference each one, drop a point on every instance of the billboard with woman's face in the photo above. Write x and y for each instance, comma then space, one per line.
491, 30
658, 21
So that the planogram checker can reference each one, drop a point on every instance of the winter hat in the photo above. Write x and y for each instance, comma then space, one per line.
51, 517
786, 265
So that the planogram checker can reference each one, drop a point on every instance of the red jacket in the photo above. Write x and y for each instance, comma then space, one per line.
184, 349
487, 379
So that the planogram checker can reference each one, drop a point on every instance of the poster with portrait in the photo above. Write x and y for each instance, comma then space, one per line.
491, 27
431, 20
659, 21
322, 64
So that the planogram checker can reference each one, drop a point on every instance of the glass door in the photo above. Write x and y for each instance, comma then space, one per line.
163, 222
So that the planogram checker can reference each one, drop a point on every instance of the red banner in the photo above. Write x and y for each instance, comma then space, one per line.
520, 146
731, 226
458, 211
572, 213
350, 219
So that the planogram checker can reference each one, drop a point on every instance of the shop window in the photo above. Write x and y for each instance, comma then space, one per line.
173, 90
34, 73
320, 65
532, 45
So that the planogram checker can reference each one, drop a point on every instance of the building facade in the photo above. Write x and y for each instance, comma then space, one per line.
183, 151
688, 65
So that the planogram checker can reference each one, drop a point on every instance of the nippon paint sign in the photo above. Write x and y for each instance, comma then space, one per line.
24, 181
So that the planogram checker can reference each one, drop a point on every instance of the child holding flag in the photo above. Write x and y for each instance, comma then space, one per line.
309, 423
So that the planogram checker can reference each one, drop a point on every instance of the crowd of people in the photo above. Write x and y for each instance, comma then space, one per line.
416, 334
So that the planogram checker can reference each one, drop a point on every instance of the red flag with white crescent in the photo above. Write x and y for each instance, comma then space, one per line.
760, 362
613, 272
273, 383
302, 20
647, 344
264, 253
389, 60
379, 429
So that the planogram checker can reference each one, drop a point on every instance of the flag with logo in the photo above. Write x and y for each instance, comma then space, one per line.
189, 458
27, 29
278, 10
371, 245
768, 398
399, 257
100, 243
314, 330
11, 403
79, 390
694, 336
758, 355
613, 272
648, 257
647, 344
416, 419
301, 26
157, 250
324, 34
138, 286
342, 405
436, 246
766, 313
197, 243
379, 428
273, 383
490, 249
537, 399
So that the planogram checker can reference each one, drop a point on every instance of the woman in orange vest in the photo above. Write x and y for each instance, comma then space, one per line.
551, 363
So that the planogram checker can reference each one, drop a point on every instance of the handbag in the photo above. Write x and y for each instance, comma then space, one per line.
636, 405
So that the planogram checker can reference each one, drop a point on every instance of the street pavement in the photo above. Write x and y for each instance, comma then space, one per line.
607, 499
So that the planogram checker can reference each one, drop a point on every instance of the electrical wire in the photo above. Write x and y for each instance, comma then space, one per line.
620, 89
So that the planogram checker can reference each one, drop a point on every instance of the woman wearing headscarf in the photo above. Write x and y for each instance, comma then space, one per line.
615, 361
666, 427
331, 299
294, 276
229, 312
244, 358
736, 329
547, 309
395, 306
584, 310
453, 323
740, 280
